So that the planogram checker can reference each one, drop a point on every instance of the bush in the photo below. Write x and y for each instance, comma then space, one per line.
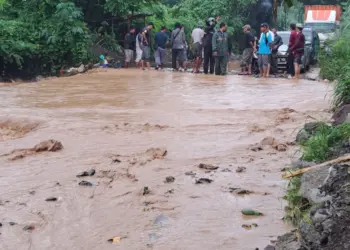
327, 143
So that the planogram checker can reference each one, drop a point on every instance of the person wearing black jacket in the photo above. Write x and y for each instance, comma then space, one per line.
277, 42
207, 45
129, 46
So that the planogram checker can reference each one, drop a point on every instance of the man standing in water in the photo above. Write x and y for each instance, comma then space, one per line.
129, 46
264, 50
161, 40
138, 49
277, 42
249, 48
178, 43
298, 50
292, 40
221, 50
208, 46
146, 46
197, 39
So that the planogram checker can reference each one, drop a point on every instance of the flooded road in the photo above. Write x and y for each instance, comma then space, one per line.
112, 121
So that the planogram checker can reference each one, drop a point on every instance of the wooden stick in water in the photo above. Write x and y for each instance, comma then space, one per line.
304, 170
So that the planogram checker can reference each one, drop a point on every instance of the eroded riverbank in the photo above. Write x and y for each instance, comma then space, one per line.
120, 114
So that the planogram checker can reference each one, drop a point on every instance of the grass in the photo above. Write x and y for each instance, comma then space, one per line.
298, 207
326, 143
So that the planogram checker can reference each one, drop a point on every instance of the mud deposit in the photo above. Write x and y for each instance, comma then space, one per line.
145, 134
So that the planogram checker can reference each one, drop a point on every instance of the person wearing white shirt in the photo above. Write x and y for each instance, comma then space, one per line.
197, 41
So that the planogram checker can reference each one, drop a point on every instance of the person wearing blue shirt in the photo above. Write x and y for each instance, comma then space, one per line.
161, 40
264, 50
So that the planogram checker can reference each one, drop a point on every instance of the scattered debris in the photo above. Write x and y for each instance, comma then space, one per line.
49, 145
268, 141
11, 223
29, 228
157, 153
239, 191
280, 147
0, 224
225, 170
51, 199
170, 191
85, 183
190, 173
241, 169
249, 226
91, 172
251, 212
32, 192
204, 181
146, 191
256, 148
207, 166
169, 179
116, 239
116, 160
255, 129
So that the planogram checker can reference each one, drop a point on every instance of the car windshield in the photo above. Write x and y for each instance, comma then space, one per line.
322, 27
285, 37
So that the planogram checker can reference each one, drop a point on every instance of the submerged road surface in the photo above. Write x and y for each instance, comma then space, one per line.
120, 122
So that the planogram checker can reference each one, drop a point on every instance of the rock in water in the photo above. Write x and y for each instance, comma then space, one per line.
241, 169
288, 241
341, 115
49, 145
249, 211
29, 228
169, 179
81, 68
207, 166
51, 199
204, 181
85, 183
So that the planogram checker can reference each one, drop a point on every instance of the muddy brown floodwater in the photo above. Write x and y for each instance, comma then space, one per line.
118, 122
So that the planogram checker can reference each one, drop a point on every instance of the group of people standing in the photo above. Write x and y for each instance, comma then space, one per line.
214, 46
208, 43
267, 48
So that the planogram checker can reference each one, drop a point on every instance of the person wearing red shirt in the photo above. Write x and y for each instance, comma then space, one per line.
292, 40
298, 50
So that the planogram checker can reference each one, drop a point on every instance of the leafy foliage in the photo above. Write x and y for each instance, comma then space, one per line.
328, 142
41, 36
335, 62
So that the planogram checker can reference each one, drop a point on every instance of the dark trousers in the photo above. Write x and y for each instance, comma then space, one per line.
175, 54
274, 65
208, 59
220, 65
290, 64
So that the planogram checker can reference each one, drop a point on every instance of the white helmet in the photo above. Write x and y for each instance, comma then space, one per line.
211, 21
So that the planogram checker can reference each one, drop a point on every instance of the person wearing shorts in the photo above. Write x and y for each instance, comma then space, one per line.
129, 46
146, 46
264, 50
249, 47
197, 40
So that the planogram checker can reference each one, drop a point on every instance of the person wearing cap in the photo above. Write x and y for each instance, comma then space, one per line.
298, 49
146, 46
249, 48
196, 41
264, 50
178, 43
129, 46
161, 40
221, 50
